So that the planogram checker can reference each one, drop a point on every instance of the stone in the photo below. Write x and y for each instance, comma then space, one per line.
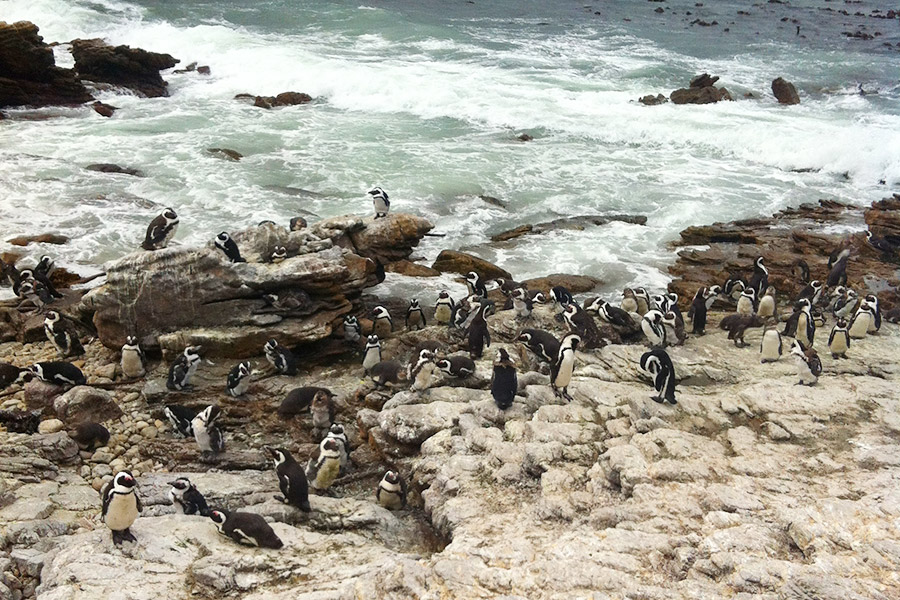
453, 261
576, 223
51, 426
227, 153
651, 100
104, 110
42, 238
40, 395
84, 404
132, 68
383, 240
704, 95
414, 423
411, 269
111, 168
576, 284
785, 92
282, 99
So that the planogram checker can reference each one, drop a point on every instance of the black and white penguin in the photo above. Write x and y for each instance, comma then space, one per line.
322, 409
352, 330
653, 327
737, 325
239, 379
443, 308
846, 305
327, 466
629, 301
643, 300
291, 479
187, 497
697, 312
542, 343
387, 371
561, 296
506, 286
657, 363
297, 224
90, 435
839, 340
181, 417
382, 324
770, 348
837, 274
121, 506
415, 317
161, 230
279, 254
800, 270
421, 370
299, 400
733, 287
859, 326
806, 325
712, 294
881, 244
522, 303
62, 335
289, 301
42, 276
476, 285
809, 367
615, 316
134, 362
34, 292
760, 279
812, 292
10, 374
478, 333
207, 434
44, 267
457, 366
372, 353
245, 528
58, 372
281, 358
583, 324
562, 368
746, 304
391, 491
337, 433
875, 319
227, 245
767, 306
504, 381
183, 368
380, 201
660, 302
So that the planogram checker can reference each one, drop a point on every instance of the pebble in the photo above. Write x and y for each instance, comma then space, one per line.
101, 470
50, 426
149, 432
85, 471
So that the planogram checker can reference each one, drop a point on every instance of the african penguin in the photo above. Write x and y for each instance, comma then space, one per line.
183, 368
629, 301
279, 253
809, 367
291, 479
875, 313
653, 327
245, 528
121, 506
180, 417
43, 276
387, 371
733, 287
478, 333
839, 340
697, 312
806, 325
580, 322
239, 379
421, 372
297, 224
207, 434
859, 326
383, 324
161, 230
643, 300
504, 382
561, 296
760, 279
380, 201
299, 400
800, 270
657, 363
327, 467
281, 358
522, 303
846, 305
542, 343
766, 308
337, 433
812, 292
372, 353
837, 275
227, 245
457, 366
90, 435
322, 409
10, 374
561, 369
476, 285
352, 329
187, 497
134, 362
391, 491
415, 317
737, 325
770, 348
62, 335
746, 304
58, 372
443, 308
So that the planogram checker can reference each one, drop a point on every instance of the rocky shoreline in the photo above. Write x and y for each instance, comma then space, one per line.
751, 486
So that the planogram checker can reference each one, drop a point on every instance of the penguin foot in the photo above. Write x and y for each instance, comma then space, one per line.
657, 399
565, 394
280, 498
120, 537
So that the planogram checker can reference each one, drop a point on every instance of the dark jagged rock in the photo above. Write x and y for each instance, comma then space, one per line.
133, 68
383, 240
883, 217
651, 100
578, 223
704, 80
577, 284
453, 261
42, 238
226, 153
28, 73
785, 91
704, 95
282, 99
111, 168
104, 110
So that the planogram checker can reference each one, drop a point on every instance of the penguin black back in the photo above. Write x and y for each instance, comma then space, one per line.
298, 400
478, 335
291, 478
504, 381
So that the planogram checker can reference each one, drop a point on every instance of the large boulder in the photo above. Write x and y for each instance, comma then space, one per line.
84, 404
703, 95
883, 218
28, 73
453, 261
785, 92
133, 68
383, 240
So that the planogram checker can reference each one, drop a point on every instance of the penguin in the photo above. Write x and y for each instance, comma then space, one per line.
839, 340
615, 316
10, 374
327, 467
629, 301
207, 434
44, 267
62, 335
881, 244
187, 497
504, 382
561, 296
385, 372
415, 317
337, 433
43, 276
134, 362
372, 353
183, 368
875, 313
770, 348
733, 287
290, 301
806, 326
542, 343
227, 245
476, 285
181, 417
299, 400
760, 279
245, 528
643, 300
291, 479
34, 292
90, 435
457, 366
281, 358
239, 379
837, 274
712, 294
583, 324
58, 372
697, 312
383, 324
322, 410
892, 316
660, 302
522, 303
380, 201
809, 367
298, 224
478, 333
657, 363
121, 506
653, 327
746, 304
161, 230
279, 254
561, 369
352, 330
507, 286
846, 305
800, 270
443, 308
859, 326
391, 491
767, 306
421, 373
736, 325
812, 292
674, 328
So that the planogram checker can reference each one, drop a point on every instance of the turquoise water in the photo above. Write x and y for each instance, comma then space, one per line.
426, 99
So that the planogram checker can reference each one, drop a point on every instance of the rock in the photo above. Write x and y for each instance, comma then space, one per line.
383, 240
84, 404
111, 168
524, 137
513, 233
226, 153
20, 421
28, 73
785, 91
43, 238
104, 110
705, 95
704, 80
493, 201
453, 261
51, 426
577, 284
39, 395
203, 70
414, 423
132, 68
651, 100
883, 217
578, 223
411, 269
282, 99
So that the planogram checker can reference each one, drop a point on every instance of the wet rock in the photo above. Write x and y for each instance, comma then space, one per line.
226, 153
524, 137
28, 73
112, 168
132, 68
411, 269
651, 100
104, 110
282, 99
493, 201
513, 233
50, 426
883, 217
42, 238
383, 240
577, 223
453, 261
577, 284
84, 404
704, 80
704, 95
785, 91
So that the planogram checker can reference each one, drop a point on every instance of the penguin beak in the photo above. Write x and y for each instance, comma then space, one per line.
270, 451
171, 483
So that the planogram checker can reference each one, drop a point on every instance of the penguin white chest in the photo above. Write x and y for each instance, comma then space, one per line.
132, 365
424, 377
201, 434
241, 388
564, 376
766, 307
328, 472
442, 314
389, 496
802, 330
770, 349
372, 358
744, 306
838, 344
860, 326
122, 512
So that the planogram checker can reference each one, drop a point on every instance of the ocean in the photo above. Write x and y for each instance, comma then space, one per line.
427, 98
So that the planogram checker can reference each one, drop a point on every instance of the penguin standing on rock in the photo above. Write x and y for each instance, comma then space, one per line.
387, 371
746, 304
875, 312
839, 340
90, 436
372, 353
653, 327
281, 358
504, 381
561, 370
812, 292
561, 296
767, 308
181, 417
183, 368
421, 372
58, 372
657, 363
391, 492
457, 366
279, 254
338, 434
443, 308
61, 333
327, 467
380, 201
737, 325
161, 230
476, 285
291, 479
187, 497
239, 379
245, 528
322, 409
542, 343
806, 325
227, 245
134, 362
522, 303
859, 326
352, 329
583, 324
207, 434
415, 317
809, 367
121, 506
770, 348
760, 280
383, 324
478, 334
697, 312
